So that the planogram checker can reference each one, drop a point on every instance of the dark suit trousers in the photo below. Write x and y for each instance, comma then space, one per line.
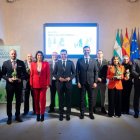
11, 90
64, 94
127, 86
114, 102
136, 98
53, 92
89, 89
28, 91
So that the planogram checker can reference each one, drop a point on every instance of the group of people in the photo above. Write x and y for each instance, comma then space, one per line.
35, 77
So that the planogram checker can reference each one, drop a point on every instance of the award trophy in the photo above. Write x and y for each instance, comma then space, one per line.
14, 75
127, 74
118, 73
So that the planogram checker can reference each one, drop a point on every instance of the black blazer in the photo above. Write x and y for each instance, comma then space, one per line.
68, 72
0, 73
7, 70
86, 73
136, 71
102, 73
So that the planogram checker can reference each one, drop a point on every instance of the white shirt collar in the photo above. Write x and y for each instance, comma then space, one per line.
64, 60
87, 57
14, 60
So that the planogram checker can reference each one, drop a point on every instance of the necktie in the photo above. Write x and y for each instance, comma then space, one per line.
13, 64
100, 63
63, 64
86, 60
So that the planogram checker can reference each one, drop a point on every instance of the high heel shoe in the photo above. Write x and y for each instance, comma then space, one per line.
38, 117
42, 117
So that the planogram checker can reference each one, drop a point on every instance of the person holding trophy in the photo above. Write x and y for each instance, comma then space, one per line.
115, 74
14, 72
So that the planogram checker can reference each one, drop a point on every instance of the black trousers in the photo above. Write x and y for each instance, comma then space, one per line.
114, 102
64, 94
11, 90
28, 91
52, 94
136, 99
127, 87
89, 89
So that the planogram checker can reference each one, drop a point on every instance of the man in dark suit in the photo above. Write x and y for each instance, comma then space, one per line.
101, 85
27, 87
87, 74
64, 72
0, 73
52, 82
136, 75
13, 72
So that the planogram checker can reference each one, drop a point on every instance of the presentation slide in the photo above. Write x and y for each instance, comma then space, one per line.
72, 38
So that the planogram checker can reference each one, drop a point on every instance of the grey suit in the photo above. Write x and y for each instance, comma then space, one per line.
28, 91
52, 86
86, 75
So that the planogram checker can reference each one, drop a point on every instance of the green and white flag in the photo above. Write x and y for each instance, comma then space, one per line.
117, 47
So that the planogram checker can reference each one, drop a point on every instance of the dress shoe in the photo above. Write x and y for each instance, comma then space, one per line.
61, 118
18, 119
136, 116
91, 116
67, 117
51, 110
38, 117
103, 110
42, 117
81, 116
9, 121
109, 115
127, 112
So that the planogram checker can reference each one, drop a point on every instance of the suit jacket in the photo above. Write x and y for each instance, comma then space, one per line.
86, 73
26, 83
42, 79
136, 71
68, 72
0, 73
7, 71
102, 73
51, 71
110, 75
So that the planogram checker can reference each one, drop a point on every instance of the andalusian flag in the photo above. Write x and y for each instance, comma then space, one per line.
117, 47
126, 45
134, 47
